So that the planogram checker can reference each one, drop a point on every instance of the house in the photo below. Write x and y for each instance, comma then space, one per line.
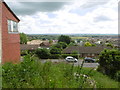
34, 42
28, 47
9, 35
85, 51
45, 45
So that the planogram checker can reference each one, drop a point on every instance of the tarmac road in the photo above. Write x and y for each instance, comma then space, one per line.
75, 63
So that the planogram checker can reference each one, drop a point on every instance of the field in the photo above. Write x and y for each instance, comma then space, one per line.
79, 37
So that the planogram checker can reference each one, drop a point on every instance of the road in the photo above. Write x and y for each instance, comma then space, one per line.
76, 64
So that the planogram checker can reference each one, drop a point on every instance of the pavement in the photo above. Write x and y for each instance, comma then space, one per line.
75, 63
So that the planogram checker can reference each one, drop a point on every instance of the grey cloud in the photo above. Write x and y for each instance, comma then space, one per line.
101, 18
29, 8
94, 3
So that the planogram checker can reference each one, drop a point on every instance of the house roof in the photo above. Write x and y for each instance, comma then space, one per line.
34, 42
82, 49
10, 10
28, 47
47, 44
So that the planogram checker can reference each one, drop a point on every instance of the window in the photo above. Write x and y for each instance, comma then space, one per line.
12, 26
9, 26
15, 27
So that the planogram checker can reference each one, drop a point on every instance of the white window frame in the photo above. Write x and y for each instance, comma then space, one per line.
11, 27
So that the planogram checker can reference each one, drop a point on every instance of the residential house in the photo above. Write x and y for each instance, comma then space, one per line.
34, 42
28, 47
45, 45
9, 35
33, 47
85, 51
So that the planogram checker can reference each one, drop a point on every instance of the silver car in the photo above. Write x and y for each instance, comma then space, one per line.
71, 59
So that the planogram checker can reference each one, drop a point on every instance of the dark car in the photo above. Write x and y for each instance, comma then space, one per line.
89, 60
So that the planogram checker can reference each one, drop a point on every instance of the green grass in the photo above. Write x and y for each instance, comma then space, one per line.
102, 81
33, 74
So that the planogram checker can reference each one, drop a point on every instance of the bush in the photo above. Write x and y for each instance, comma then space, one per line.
43, 53
24, 52
117, 76
109, 61
55, 56
33, 74
55, 50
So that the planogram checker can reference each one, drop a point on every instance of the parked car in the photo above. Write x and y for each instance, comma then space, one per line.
88, 59
71, 59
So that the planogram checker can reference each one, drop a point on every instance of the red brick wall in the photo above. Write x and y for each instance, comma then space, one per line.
10, 42
0, 31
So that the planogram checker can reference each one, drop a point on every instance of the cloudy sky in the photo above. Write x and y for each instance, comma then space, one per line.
70, 17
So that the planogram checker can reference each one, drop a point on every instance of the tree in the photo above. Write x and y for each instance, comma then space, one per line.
93, 44
64, 38
87, 44
63, 45
109, 45
50, 41
109, 61
43, 53
57, 46
23, 38
55, 50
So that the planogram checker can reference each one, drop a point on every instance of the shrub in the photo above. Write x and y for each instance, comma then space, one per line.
110, 61
117, 76
73, 55
24, 52
33, 74
63, 45
55, 56
43, 53
55, 50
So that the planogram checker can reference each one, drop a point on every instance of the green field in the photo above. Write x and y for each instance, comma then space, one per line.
79, 37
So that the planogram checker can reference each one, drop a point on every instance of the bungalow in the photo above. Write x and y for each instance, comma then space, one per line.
29, 47
85, 51
34, 42
9, 35
45, 45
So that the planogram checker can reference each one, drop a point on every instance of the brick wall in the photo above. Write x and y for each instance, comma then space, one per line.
0, 31
10, 42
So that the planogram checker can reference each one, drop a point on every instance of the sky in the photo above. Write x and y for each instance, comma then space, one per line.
66, 16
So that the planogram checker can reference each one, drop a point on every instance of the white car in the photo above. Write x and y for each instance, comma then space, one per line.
71, 59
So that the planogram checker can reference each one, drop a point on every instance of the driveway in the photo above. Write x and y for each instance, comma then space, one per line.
76, 64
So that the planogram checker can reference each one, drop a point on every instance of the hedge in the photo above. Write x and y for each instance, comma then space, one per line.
62, 56
54, 56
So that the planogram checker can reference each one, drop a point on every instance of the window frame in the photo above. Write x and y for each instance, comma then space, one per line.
12, 26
